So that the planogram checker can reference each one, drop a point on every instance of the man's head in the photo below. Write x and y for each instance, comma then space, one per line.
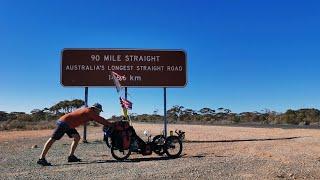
97, 107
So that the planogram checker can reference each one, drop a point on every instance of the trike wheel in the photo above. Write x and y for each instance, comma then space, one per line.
120, 154
173, 146
158, 142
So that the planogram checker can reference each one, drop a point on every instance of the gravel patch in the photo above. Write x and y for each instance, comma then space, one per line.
209, 153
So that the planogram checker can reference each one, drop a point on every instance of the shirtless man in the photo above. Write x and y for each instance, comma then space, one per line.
67, 124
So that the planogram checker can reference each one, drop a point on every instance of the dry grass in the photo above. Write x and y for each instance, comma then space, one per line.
26, 125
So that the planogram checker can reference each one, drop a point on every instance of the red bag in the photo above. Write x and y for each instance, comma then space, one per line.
121, 137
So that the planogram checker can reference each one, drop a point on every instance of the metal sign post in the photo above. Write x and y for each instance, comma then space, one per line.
86, 105
165, 110
126, 93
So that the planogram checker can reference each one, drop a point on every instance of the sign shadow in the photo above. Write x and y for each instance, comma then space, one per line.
245, 140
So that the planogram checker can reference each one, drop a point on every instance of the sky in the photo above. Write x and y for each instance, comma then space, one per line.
243, 55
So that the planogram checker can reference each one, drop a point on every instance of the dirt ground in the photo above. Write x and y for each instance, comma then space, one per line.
209, 152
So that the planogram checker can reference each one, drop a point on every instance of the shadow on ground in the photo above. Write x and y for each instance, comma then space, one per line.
244, 140
116, 161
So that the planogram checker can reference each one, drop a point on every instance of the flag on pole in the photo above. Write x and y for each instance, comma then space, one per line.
126, 104
116, 81
125, 113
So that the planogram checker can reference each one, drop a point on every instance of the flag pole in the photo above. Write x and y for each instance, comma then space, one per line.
126, 98
118, 88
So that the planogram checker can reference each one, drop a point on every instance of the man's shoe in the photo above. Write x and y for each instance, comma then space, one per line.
43, 162
73, 158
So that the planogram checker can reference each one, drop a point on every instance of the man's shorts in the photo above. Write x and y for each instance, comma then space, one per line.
62, 128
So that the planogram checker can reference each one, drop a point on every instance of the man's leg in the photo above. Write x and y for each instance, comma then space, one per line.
42, 160
56, 135
76, 139
73, 133
46, 148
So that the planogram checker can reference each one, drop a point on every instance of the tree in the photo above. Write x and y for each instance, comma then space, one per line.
290, 117
38, 115
3, 116
249, 117
77, 103
207, 111
221, 113
227, 111
187, 114
175, 112
35, 111
155, 112
66, 106
221, 109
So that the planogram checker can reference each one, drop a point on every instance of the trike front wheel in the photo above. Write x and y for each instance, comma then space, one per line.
120, 154
173, 146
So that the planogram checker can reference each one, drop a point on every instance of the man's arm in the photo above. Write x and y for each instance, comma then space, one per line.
99, 119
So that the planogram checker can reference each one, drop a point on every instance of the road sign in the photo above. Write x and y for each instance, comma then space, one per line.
135, 67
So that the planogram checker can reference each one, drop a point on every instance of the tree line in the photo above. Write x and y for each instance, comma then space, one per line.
38, 118
46, 117
180, 114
